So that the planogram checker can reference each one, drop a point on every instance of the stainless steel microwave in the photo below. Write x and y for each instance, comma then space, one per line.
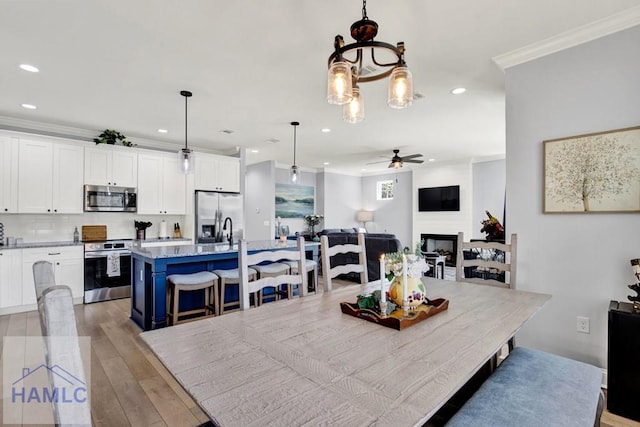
99, 198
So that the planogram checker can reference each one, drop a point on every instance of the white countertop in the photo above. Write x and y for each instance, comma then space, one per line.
29, 245
213, 248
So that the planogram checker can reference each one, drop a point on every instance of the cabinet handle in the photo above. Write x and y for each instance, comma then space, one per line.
54, 253
57, 263
5, 209
115, 183
55, 210
48, 210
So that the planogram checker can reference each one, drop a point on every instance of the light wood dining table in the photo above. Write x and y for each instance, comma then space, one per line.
304, 362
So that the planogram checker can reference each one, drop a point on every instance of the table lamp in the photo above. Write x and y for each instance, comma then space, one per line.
364, 217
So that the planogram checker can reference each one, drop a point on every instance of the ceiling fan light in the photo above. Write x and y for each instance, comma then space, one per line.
400, 88
339, 88
353, 112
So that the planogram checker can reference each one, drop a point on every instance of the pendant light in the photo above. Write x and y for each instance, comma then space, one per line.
186, 160
353, 112
294, 172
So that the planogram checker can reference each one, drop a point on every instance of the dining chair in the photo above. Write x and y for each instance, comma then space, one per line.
330, 271
310, 267
248, 287
61, 346
489, 263
43, 276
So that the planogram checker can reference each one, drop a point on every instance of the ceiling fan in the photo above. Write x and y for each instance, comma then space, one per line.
397, 160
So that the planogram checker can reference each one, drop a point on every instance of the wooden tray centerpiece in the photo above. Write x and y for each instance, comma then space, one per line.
395, 319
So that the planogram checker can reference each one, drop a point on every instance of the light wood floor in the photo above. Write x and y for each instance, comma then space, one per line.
129, 386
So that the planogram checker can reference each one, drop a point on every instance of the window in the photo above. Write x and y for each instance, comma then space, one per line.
384, 190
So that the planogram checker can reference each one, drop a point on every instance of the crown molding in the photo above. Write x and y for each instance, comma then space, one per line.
620, 21
80, 134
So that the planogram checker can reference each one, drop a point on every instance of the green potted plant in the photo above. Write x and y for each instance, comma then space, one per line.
109, 136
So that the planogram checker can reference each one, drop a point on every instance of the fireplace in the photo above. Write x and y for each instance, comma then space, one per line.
444, 244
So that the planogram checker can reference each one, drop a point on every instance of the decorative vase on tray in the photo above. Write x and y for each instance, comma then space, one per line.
405, 272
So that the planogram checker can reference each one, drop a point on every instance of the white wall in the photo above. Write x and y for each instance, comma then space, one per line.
488, 194
342, 199
443, 174
582, 260
259, 201
390, 216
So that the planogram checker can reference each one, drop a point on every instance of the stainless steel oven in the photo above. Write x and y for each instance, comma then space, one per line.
107, 270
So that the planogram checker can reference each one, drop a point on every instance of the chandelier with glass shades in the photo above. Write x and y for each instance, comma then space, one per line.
364, 61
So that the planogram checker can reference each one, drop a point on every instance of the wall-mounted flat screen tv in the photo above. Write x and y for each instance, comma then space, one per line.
435, 199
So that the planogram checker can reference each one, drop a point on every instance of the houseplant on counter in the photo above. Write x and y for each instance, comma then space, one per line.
109, 136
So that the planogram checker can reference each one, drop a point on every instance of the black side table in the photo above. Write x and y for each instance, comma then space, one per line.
623, 368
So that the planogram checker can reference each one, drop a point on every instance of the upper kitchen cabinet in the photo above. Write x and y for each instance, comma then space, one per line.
106, 165
161, 186
8, 173
50, 176
217, 173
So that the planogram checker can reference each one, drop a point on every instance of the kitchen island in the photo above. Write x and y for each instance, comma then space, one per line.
152, 265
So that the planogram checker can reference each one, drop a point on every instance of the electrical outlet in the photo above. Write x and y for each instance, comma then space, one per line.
582, 324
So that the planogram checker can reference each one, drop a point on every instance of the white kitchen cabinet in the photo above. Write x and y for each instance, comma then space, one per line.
10, 278
161, 186
50, 176
217, 173
8, 173
68, 267
106, 165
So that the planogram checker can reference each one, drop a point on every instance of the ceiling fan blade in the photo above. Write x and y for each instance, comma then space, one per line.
412, 161
411, 156
373, 163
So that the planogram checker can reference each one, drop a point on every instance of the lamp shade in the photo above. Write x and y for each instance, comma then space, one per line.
186, 161
364, 216
339, 89
400, 88
353, 112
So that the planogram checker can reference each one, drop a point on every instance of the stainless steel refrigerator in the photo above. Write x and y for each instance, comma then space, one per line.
213, 210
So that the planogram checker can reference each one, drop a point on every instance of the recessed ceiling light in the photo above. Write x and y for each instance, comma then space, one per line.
29, 68
272, 140
432, 160
29, 106
163, 130
458, 90
255, 151
227, 131
326, 163
325, 130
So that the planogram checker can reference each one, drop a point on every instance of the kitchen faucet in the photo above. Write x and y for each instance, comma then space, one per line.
224, 227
